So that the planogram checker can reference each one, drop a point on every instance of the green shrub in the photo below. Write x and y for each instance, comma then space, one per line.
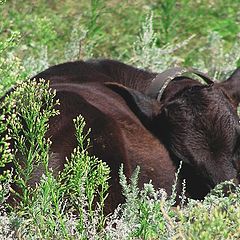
56, 202
70, 206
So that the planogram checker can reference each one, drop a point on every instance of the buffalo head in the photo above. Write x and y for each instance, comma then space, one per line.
198, 124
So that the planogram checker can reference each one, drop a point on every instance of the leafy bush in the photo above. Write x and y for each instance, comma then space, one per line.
149, 214
214, 56
70, 205
60, 206
27, 125
147, 53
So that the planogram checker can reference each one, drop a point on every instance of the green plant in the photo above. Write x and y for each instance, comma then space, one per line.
85, 179
70, 205
217, 217
214, 56
27, 124
147, 54
167, 20
5, 153
11, 69
146, 214
62, 206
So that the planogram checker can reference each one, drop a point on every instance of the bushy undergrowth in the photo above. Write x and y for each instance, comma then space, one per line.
58, 206
145, 34
63, 206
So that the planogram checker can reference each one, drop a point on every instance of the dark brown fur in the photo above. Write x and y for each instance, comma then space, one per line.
114, 134
193, 123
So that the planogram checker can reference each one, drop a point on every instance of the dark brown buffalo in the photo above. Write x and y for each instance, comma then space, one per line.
117, 136
190, 122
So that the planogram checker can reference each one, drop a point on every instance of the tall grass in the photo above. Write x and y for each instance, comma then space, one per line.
64, 206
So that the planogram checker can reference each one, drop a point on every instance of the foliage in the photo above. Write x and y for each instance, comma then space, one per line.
27, 125
149, 214
11, 69
85, 181
63, 206
144, 215
214, 56
153, 35
5, 153
109, 29
147, 54
217, 217
48, 209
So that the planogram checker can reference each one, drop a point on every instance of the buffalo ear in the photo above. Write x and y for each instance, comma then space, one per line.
232, 85
144, 107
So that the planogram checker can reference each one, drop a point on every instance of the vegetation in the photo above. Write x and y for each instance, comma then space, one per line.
204, 34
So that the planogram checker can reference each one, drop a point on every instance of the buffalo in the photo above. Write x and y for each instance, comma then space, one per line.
151, 120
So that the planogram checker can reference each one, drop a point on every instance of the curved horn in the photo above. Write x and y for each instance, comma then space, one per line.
161, 81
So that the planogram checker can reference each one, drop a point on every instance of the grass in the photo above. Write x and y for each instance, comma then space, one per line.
116, 23
153, 35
